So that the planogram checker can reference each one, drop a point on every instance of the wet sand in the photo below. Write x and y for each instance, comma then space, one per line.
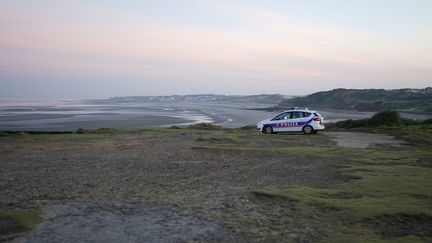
93, 114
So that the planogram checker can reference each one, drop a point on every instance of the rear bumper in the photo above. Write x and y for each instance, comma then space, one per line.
321, 127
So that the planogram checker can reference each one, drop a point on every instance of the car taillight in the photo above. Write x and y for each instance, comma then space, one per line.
318, 119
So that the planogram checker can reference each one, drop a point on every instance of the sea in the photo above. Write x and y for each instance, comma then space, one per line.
71, 114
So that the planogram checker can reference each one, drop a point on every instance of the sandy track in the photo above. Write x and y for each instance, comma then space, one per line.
362, 139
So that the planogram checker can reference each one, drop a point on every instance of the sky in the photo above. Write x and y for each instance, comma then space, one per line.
105, 48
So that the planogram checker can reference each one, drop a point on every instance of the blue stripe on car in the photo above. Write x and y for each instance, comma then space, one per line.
290, 124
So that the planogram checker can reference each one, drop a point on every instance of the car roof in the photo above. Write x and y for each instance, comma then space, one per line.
301, 110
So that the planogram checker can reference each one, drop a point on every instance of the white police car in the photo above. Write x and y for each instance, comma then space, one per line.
294, 120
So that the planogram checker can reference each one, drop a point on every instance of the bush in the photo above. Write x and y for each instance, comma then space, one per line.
205, 126
174, 127
410, 122
248, 127
427, 121
3, 134
105, 130
385, 118
98, 131
82, 131
350, 123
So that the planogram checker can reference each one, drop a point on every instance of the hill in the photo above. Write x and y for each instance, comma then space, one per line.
408, 100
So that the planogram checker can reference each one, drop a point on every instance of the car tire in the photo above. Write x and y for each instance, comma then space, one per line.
308, 130
267, 130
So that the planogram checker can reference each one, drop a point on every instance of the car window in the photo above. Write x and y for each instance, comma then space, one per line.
296, 114
317, 114
283, 116
306, 114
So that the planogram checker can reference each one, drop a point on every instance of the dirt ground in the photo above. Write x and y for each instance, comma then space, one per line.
162, 186
362, 139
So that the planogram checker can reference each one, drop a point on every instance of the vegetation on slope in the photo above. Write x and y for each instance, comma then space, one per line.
387, 118
413, 100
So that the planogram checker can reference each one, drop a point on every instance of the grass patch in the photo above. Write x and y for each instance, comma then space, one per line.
417, 134
65, 137
205, 126
18, 221
223, 139
401, 225
390, 200
325, 151
100, 131
384, 191
248, 128
384, 187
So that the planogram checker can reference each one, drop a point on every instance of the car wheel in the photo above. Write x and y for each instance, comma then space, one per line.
308, 130
268, 130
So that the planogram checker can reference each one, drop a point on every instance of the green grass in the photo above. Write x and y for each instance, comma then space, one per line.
224, 139
17, 221
205, 126
324, 151
85, 135
381, 190
100, 131
63, 137
388, 183
420, 134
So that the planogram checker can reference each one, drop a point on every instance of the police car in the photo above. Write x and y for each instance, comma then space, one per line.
293, 120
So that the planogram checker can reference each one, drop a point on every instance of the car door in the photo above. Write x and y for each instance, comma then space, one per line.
279, 122
295, 121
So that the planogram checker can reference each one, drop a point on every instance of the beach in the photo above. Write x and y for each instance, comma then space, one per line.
69, 115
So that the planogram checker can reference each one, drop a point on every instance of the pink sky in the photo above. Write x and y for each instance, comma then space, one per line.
86, 49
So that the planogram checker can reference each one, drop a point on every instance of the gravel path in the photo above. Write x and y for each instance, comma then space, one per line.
362, 139
124, 222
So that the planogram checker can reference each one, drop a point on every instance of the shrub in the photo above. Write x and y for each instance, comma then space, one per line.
427, 121
350, 123
82, 131
410, 122
205, 126
174, 127
105, 130
248, 127
385, 118
3, 134
98, 131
